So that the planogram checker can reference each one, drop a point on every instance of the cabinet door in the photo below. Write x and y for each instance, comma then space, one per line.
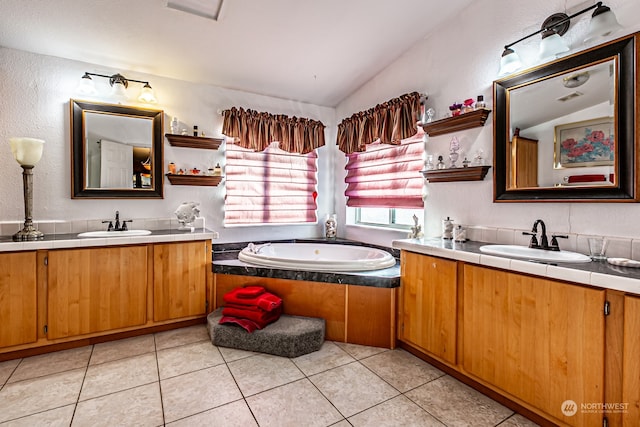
96, 289
539, 340
17, 298
631, 366
429, 304
179, 280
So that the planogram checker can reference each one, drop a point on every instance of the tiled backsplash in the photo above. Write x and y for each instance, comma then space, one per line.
8, 228
617, 246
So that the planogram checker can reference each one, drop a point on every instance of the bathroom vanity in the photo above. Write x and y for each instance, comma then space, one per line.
532, 334
66, 291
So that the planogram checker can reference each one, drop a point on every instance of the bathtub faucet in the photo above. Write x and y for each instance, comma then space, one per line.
257, 248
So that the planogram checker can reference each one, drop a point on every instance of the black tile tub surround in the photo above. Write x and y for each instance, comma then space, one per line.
225, 261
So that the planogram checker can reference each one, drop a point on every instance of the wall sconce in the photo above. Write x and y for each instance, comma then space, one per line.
603, 23
27, 152
119, 85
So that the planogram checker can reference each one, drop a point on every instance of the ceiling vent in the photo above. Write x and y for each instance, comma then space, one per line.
209, 9
570, 96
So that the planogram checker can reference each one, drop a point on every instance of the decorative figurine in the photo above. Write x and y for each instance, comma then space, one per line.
416, 230
454, 146
186, 213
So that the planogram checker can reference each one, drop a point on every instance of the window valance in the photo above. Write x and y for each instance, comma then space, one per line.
255, 130
390, 122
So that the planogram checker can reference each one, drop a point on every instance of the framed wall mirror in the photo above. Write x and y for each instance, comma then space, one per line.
116, 151
568, 130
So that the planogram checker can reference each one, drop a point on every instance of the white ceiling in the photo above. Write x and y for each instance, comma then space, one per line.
316, 51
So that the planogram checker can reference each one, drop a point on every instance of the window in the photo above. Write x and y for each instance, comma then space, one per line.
270, 187
386, 176
387, 217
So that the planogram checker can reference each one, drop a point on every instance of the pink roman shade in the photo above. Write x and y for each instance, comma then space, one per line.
270, 186
386, 176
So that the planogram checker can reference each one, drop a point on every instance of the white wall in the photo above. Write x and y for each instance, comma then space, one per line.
460, 60
35, 102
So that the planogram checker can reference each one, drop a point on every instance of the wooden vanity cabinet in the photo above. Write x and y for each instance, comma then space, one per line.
96, 289
539, 340
179, 280
631, 362
428, 302
18, 305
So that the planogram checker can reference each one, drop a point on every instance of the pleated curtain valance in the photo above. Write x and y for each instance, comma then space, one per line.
386, 176
389, 122
255, 130
269, 187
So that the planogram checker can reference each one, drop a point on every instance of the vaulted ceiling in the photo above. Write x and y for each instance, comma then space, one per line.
315, 51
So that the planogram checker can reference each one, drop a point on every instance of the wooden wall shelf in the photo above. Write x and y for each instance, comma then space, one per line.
211, 181
473, 173
464, 121
194, 141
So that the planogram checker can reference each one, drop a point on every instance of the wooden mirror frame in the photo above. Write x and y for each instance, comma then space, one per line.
625, 51
78, 152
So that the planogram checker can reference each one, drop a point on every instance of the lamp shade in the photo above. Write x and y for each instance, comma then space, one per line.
509, 62
26, 151
87, 85
551, 45
147, 95
603, 22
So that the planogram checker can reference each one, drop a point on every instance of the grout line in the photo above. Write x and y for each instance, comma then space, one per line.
155, 351
84, 377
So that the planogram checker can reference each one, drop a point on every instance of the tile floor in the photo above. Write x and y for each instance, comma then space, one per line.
178, 378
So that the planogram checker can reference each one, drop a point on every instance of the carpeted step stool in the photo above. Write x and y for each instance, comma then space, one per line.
289, 336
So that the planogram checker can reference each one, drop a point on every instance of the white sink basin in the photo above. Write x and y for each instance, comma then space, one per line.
516, 251
126, 233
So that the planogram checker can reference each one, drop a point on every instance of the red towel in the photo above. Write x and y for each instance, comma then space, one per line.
248, 292
257, 315
266, 300
587, 178
247, 324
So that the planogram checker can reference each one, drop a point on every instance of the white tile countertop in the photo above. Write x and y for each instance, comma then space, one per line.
71, 240
600, 274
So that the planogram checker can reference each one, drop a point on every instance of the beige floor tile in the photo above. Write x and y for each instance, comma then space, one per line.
262, 372
231, 354
188, 358
178, 337
294, 404
40, 394
398, 411
199, 391
140, 406
119, 375
517, 420
360, 351
234, 414
454, 403
121, 349
53, 417
402, 370
329, 356
51, 363
343, 423
6, 369
353, 388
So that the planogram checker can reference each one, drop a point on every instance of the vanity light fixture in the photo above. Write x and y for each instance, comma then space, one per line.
603, 23
27, 152
119, 85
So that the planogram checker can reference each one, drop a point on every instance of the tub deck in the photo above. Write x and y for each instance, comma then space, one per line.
347, 301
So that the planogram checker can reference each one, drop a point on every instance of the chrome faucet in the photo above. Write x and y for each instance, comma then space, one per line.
117, 227
544, 241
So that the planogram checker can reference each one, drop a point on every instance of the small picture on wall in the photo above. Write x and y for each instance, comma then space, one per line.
586, 143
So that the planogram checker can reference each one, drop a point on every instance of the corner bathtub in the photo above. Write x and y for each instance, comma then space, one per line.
317, 257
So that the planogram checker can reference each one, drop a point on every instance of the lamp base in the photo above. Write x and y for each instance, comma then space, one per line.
28, 233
